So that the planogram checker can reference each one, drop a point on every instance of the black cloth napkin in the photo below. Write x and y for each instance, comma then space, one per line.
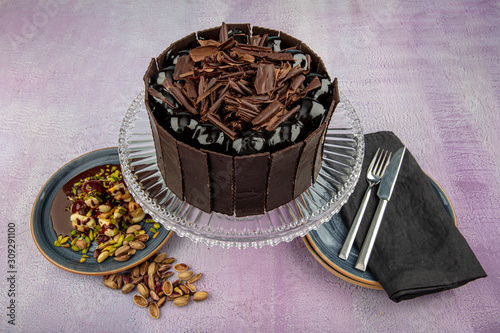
418, 250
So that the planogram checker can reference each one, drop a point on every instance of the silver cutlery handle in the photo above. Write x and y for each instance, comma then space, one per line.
349, 240
367, 247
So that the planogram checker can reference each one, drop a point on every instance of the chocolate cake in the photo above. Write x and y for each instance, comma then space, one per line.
238, 116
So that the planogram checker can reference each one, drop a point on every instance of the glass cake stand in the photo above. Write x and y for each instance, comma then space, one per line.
342, 159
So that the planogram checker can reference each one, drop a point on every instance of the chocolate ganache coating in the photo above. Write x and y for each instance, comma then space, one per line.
248, 106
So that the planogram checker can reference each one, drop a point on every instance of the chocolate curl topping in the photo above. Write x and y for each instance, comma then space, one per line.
184, 65
229, 132
159, 95
179, 96
223, 33
264, 79
238, 86
280, 118
268, 112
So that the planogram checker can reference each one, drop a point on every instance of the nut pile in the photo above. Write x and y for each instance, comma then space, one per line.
103, 211
151, 279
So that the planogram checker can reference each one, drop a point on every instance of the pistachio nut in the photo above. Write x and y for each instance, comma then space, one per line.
181, 301
138, 245
128, 288
135, 227
151, 282
154, 296
110, 284
122, 250
168, 261
141, 238
161, 302
152, 268
135, 272
81, 244
160, 257
144, 268
143, 290
103, 256
123, 257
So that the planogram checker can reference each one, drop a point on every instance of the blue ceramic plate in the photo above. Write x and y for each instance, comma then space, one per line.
325, 244
44, 236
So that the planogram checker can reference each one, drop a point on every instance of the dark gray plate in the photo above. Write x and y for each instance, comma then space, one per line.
44, 236
325, 244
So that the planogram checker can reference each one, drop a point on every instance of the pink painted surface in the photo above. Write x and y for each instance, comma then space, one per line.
428, 71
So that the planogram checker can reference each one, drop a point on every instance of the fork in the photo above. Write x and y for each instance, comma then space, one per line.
374, 175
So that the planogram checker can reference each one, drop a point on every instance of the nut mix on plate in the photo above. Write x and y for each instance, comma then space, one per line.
104, 211
150, 278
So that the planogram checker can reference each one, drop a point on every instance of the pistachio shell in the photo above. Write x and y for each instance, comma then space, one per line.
167, 288
185, 276
154, 310
141, 301
181, 267
190, 286
200, 295
195, 278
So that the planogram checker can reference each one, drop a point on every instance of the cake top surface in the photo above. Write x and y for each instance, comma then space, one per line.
241, 88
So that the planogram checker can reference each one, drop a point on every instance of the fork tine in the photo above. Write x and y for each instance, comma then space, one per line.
385, 164
374, 159
380, 161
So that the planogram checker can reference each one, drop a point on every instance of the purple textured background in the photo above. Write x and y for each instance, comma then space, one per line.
428, 71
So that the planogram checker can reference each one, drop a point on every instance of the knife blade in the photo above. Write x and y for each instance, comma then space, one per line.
384, 192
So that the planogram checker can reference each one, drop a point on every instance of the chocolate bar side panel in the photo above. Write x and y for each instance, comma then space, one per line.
195, 176
305, 169
171, 167
250, 177
222, 182
283, 167
152, 71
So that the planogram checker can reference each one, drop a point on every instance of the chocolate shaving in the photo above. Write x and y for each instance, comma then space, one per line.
268, 112
280, 118
179, 96
184, 64
159, 95
221, 126
264, 78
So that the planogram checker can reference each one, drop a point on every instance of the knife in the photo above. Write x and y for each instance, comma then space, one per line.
384, 193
